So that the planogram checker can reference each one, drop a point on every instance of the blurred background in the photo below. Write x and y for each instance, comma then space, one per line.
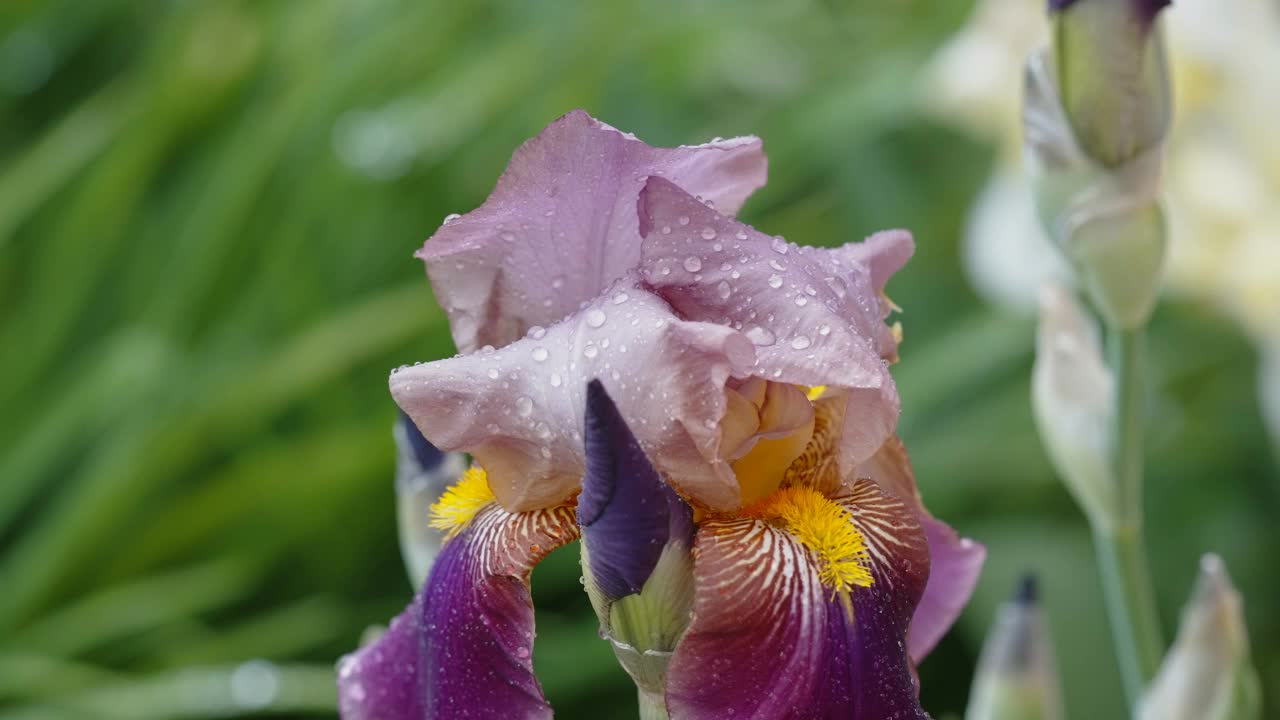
207, 211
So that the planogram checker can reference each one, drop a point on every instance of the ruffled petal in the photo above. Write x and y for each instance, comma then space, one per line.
519, 410
769, 641
816, 316
560, 226
463, 647
956, 561
627, 513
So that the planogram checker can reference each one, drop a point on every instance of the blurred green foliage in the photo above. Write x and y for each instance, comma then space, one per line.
207, 211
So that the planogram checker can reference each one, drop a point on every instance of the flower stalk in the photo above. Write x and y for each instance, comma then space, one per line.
1098, 108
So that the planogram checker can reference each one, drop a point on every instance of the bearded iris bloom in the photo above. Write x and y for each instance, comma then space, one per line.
726, 396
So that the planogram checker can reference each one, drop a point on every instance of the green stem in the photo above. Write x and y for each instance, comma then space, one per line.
652, 707
1122, 557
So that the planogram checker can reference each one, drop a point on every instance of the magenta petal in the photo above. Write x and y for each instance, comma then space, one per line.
560, 226
381, 681
770, 642
815, 315
463, 648
956, 564
519, 410
956, 561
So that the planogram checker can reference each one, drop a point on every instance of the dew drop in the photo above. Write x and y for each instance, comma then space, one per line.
740, 235
801, 301
692, 264
545, 452
683, 219
810, 290
723, 290
524, 406
775, 281
779, 245
537, 332
595, 317
666, 229
620, 298
708, 233
591, 350
451, 217
777, 264
824, 330
556, 381
557, 282
493, 373
760, 336
800, 342
540, 354
509, 236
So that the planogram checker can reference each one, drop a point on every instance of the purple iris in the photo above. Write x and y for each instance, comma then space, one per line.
709, 407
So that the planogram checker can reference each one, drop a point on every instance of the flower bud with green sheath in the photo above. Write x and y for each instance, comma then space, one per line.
1207, 674
1097, 111
1017, 677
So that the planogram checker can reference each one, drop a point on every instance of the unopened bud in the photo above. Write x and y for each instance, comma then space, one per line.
1113, 77
1096, 113
423, 473
1207, 674
1072, 396
1017, 677
637, 537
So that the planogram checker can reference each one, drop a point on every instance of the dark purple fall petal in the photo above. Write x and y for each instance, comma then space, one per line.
770, 642
627, 513
815, 315
560, 226
464, 647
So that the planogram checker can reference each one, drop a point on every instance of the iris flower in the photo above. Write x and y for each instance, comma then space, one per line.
710, 406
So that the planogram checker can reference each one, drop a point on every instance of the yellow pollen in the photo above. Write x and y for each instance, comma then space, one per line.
816, 391
826, 529
458, 506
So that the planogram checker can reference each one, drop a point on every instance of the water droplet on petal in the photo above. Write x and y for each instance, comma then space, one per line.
775, 281
692, 264
557, 282
810, 290
556, 380
540, 354
824, 330
708, 233
493, 373
777, 264
801, 300
723, 290
537, 331
620, 298
779, 245
800, 342
666, 229
740, 235
683, 219
591, 350
595, 317
760, 336
509, 236
524, 406
451, 217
